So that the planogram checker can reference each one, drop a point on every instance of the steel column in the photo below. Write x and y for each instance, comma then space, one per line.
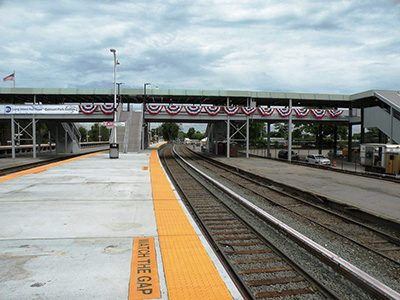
247, 132
268, 139
12, 137
319, 138
34, 131
391, 125
228, 133
350, 143
290, 132
65, 141
335, 138
362, 133
34, 136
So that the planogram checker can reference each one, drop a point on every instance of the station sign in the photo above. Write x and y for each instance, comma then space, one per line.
39, 109
110, 124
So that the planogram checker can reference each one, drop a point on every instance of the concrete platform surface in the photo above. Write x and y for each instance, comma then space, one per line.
379, 197
67, 232
70, 232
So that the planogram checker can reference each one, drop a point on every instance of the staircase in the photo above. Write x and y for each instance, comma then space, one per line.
74, 134
129, 136
381, 119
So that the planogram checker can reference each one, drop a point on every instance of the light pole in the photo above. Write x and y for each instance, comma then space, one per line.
143, 108
114, 52
119, 92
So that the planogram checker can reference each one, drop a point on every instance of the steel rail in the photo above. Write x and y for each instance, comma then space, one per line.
354, 273
341, 216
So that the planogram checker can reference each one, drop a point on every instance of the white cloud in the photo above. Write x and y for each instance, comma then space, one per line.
311, 46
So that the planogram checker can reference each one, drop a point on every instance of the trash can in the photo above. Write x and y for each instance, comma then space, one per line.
114, 150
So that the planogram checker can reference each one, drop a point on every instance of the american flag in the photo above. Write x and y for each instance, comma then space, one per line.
10, 77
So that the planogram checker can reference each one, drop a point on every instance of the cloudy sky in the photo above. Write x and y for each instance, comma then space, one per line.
306, 46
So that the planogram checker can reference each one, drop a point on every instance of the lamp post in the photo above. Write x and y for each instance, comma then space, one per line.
114, 52
119, 92
143, 108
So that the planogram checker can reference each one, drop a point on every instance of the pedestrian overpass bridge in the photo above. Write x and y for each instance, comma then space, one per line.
63, 107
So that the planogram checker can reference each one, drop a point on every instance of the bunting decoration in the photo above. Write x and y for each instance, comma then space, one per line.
154, 109
248, 110
212, 110
88, 109
318, 113
231, 110
193, 110
266, 111
284, 112
173, 109
335, 112
107, 108
301, 112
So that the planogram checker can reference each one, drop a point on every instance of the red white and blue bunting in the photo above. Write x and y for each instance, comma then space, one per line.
107, 108
335, 112
301, 112
88, 109
266, 111
193, 110
248, 110
154, 109
231, 110
284, 112
318, 113
173, 109
212, 110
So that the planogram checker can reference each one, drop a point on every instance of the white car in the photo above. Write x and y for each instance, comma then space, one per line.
318, 159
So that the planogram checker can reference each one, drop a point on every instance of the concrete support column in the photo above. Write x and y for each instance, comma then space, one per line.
12, 137
290, 132
228, 133
268, 139
350, 143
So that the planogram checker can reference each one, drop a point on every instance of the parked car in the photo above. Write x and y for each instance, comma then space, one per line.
318, 159
284, 154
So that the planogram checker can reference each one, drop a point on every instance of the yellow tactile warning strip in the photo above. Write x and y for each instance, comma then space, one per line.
189, 271
43, 168
144, 283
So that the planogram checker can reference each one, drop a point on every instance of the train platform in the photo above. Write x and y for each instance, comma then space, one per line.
27, 159
377, 197
94, 227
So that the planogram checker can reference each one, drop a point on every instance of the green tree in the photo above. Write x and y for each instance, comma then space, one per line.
190, 133
105, 133
94, 132
170, 131
83, 131
198, 135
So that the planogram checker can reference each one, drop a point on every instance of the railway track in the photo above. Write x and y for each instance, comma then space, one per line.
262, 271
372, 239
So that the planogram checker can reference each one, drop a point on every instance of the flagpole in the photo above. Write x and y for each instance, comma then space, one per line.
14, 80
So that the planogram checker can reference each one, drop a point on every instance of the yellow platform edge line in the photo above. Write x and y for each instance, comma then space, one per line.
43, 168
189, 270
